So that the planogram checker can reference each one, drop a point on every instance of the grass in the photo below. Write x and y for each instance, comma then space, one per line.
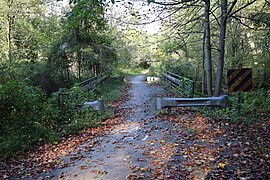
111, 90
128, 72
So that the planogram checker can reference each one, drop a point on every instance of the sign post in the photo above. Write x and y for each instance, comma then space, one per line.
239, 80
239, 103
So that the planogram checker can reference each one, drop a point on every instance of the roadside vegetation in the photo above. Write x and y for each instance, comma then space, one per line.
28, 117
47, 47
253, 107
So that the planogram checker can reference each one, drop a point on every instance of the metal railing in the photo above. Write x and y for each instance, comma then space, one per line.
182, 86
220, 101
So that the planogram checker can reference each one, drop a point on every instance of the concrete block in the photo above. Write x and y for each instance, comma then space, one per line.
152, 79
95, 105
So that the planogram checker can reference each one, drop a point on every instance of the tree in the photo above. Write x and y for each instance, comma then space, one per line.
262, 41
225, 12
13, 14
207, 49
217, 20
84, 48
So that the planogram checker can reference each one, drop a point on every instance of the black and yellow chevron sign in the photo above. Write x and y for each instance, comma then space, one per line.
240, 80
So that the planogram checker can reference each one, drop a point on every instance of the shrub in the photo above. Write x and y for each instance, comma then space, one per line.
28, 116
21, 109
254, 105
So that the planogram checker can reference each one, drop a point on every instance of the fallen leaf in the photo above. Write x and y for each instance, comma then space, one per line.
221, 165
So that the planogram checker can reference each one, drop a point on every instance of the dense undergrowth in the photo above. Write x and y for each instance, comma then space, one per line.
253, 107
29, 117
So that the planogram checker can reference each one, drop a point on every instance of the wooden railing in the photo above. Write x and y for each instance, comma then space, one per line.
182, 86
92, 83
89, 85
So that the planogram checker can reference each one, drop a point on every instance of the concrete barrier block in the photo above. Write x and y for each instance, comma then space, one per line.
152, 79
95, 105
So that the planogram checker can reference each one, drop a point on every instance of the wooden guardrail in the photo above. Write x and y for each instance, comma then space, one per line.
92, 83
88, 85
181, 85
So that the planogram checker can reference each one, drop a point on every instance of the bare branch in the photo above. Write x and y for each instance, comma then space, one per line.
246, 5
191, 20
195, 41
173, 3
232, 6
240, 21
216, 18
192, 32
243, 17
174, 26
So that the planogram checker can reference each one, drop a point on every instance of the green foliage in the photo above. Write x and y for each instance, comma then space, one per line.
28, 117
254, 105
260, 19
185, 88
21, 109
70, 117
17, 100
257, 102
87, 15
111, 90
50, 51
150, 1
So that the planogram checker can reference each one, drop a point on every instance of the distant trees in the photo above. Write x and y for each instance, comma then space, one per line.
17, 16
53, 46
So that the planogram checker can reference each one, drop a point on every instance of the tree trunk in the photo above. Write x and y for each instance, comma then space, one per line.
10, 19
221, 52
203, 64
78, 56
9, 39
208, 57
225, 13
266, 71
68, 74
79, 69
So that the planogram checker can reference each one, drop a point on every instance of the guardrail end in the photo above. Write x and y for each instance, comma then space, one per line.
159, 103
96, 105
224, 101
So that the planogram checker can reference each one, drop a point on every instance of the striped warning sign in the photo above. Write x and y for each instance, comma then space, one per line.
239, 80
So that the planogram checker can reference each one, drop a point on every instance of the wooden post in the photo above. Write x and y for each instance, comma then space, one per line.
239, 103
